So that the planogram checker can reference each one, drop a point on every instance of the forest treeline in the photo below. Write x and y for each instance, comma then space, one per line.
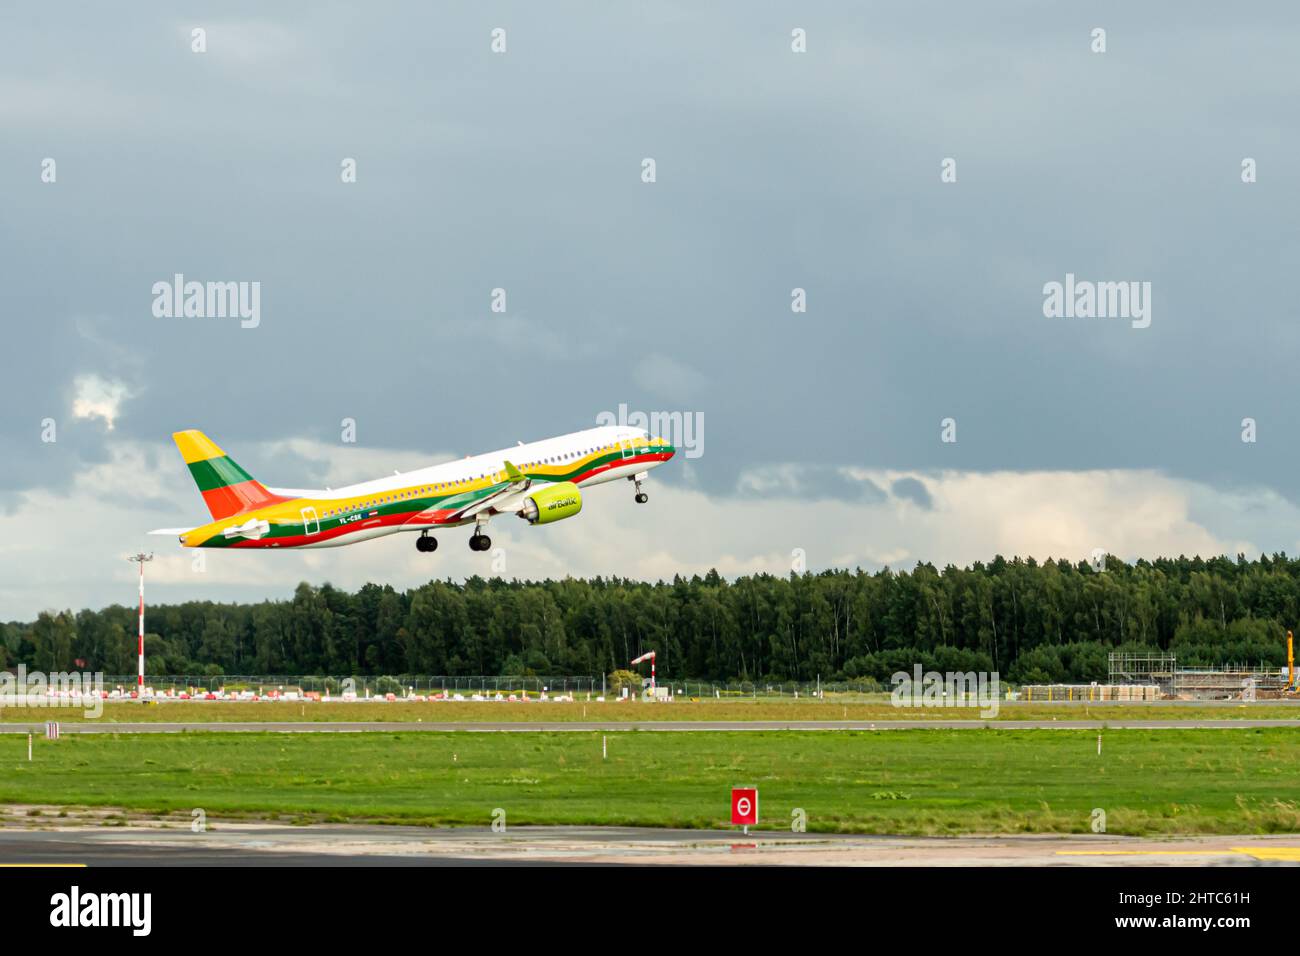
1032, 622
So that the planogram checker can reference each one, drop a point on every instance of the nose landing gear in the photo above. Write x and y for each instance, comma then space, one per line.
641, 496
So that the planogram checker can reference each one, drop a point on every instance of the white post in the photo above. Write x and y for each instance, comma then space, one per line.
29, 748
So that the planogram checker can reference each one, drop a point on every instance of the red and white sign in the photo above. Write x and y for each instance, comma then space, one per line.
744, 806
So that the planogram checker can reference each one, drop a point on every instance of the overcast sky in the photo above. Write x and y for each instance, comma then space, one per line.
774, 170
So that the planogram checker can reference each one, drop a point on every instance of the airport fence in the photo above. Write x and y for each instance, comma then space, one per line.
586, 687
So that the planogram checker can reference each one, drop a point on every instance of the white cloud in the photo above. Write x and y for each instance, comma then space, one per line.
97, 397
67, 550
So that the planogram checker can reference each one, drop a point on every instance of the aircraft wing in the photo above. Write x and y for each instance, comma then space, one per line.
500, 500
505, 497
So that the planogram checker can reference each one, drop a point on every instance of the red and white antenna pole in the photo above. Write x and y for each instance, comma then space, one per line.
141, 558
649, 656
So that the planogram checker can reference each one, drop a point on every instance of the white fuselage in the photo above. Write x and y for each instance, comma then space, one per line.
547, 454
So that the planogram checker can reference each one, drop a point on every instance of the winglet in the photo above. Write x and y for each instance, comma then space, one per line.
513, 473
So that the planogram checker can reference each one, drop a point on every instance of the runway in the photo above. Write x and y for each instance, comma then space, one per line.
681, 726
174, 844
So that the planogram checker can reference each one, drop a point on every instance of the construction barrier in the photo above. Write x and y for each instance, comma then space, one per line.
1070, 693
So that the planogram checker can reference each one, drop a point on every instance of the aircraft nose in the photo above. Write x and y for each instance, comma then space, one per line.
669, 450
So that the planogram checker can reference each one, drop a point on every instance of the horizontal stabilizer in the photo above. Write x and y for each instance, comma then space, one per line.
173, 531
253, 529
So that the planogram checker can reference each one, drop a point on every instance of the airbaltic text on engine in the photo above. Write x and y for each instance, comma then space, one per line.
560, 500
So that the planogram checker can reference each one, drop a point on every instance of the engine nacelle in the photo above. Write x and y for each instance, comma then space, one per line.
551, 503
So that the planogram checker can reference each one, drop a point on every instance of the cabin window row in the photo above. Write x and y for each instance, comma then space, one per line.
443, 486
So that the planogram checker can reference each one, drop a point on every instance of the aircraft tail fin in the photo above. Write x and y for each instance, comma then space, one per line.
226, 488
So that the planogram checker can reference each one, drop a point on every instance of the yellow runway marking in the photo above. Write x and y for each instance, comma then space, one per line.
1288, 853
1137, 852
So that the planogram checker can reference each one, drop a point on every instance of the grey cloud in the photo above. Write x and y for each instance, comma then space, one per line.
810, 483
913, 490
775, 170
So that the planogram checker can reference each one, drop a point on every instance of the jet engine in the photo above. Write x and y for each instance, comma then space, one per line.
551, 503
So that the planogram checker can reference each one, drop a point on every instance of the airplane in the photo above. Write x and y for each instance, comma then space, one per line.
540, 482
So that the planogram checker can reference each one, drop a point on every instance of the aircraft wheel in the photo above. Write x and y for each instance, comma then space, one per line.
642, 497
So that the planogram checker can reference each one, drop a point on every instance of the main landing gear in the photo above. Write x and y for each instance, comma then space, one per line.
426, 542
478, 541
641, 496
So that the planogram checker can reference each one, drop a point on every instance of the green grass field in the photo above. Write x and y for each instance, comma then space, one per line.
470, 711
916, 782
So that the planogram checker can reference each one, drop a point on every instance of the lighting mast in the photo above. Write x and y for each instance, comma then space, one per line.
141, 558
